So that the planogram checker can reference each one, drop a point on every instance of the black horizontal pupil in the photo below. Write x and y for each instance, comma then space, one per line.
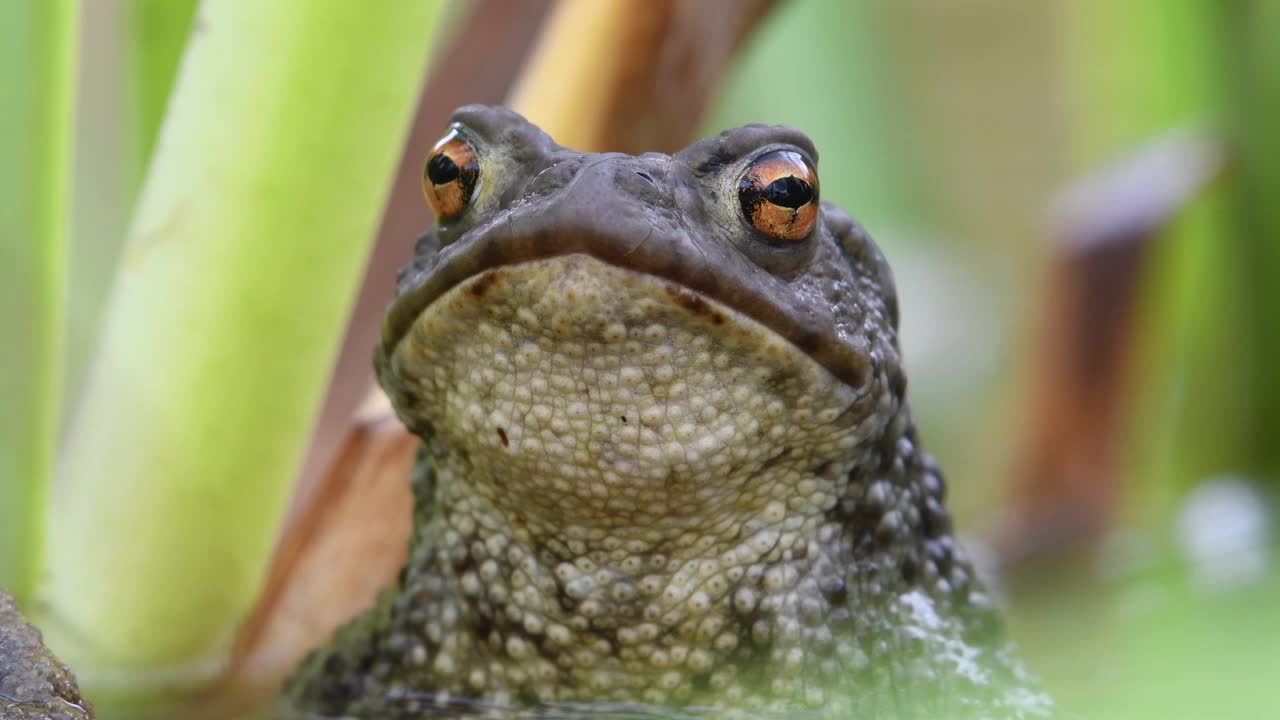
789, 192
442, 169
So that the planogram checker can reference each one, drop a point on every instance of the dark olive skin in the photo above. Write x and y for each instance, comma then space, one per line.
668, 461
34, 685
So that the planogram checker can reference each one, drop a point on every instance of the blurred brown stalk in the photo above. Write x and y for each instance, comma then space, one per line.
1066, 478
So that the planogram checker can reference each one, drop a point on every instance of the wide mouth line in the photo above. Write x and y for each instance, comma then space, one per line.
500, 246
439, 281
693, 286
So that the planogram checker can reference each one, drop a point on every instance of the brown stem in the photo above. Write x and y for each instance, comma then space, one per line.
1105, 226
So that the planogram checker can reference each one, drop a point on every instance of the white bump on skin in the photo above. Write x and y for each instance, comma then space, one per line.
631, 375
444, 664
517, 648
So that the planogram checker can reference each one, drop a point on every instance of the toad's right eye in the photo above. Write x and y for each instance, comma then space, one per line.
450, 176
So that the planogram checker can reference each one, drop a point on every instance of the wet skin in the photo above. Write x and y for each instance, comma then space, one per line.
667, 455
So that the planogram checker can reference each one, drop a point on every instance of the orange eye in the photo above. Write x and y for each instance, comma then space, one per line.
779, 195
450, 176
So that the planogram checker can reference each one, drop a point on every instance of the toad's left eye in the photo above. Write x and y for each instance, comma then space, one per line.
450, 176
779, 196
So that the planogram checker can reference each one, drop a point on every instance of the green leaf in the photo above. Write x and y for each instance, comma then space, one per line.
1254, 115
37, 51
129, 57
155, 37
242, 260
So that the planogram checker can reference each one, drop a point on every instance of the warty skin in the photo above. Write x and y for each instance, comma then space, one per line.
667, 461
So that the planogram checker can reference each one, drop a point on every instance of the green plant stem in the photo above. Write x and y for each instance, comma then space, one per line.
130, 52
1251, 44
155, 35
242, 260
37, 50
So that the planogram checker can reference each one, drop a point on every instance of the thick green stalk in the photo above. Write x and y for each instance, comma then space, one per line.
129, 55
1252, 45
155, 35
242, 260
37, 50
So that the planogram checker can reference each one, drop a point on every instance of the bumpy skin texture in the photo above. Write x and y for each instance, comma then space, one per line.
666, 463
34, 685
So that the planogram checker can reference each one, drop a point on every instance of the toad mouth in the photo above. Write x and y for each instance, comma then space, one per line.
691, 278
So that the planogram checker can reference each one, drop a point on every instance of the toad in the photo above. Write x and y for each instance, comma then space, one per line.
668, 463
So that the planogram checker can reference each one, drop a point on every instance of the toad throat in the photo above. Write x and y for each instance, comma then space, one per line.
632, 492
584, 403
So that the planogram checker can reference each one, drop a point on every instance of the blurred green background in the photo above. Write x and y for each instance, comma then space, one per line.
950, 129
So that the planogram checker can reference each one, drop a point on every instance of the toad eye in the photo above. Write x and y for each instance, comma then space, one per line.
450, 176
779, 196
